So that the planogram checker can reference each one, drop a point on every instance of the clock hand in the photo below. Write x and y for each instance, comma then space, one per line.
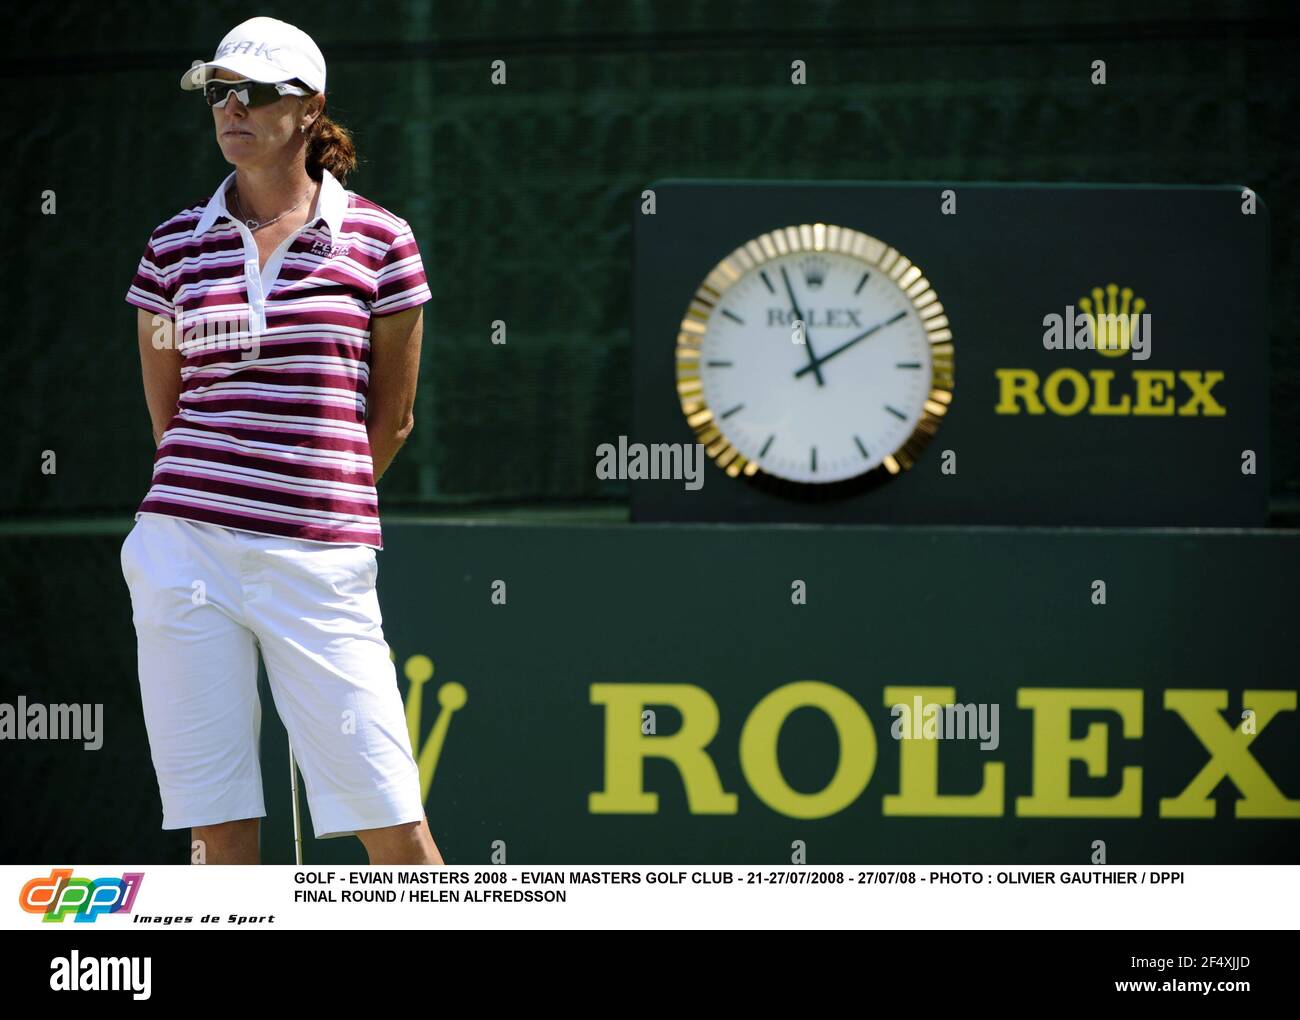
847, 344
813, 363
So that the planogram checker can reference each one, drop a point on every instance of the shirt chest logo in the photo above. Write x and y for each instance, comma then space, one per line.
330, 250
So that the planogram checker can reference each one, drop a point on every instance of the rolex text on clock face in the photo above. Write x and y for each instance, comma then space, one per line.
815, 355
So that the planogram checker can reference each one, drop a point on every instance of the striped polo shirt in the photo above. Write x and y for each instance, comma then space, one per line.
269, 433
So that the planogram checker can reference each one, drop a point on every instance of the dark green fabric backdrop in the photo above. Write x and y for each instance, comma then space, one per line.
522, 196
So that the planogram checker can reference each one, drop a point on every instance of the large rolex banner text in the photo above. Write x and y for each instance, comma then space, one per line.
700, 694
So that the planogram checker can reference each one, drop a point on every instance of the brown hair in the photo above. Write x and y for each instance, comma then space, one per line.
329, 145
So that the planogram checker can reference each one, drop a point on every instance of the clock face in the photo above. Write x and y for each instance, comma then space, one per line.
816, 356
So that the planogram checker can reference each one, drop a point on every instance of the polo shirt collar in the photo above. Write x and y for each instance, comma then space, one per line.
330, 206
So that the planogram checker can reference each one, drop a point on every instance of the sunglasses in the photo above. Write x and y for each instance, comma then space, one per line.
250, 93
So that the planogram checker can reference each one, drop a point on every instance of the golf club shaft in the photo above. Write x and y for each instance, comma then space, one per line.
297, 821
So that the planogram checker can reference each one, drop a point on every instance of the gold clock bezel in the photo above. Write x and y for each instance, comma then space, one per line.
812, 238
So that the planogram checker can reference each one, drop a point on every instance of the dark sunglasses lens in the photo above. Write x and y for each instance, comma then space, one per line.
250, 93
217, 91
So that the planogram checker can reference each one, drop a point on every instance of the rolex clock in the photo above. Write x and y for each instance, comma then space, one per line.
814, 361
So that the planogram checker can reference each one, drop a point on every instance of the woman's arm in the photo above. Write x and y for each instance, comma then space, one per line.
161, 370
394, 372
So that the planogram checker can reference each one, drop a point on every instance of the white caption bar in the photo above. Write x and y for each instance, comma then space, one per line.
1104, 897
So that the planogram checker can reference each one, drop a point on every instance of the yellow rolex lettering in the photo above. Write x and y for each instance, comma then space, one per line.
627, 748
1229, 757
1145, 392
1016, 384
758, 742
1078, 391
1101, 394
1200, 383
918, 769
1151, 386
1054, 749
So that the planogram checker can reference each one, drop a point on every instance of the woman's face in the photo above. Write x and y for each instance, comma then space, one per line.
260, 134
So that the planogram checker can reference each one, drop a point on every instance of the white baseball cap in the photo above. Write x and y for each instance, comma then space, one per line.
263, 49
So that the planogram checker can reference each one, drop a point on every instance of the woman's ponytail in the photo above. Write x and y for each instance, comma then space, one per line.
329, 146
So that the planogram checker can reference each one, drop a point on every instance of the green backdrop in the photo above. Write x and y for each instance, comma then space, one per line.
522, 196
599, 612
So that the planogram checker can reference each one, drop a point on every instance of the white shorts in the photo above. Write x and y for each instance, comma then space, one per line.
204, 598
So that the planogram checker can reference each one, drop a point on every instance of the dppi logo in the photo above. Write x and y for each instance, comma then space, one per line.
60, 895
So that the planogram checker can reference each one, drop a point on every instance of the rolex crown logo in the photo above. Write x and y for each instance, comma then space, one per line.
451, 697
815, 269
1112, 317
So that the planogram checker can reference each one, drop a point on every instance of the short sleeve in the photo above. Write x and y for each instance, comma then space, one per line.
400, 282
149, 288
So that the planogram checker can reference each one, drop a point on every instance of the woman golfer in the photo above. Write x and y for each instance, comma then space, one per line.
279, 331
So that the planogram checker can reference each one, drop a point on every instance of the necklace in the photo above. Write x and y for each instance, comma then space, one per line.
258, 224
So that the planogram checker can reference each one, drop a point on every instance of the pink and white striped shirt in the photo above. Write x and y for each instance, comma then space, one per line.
269, 433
